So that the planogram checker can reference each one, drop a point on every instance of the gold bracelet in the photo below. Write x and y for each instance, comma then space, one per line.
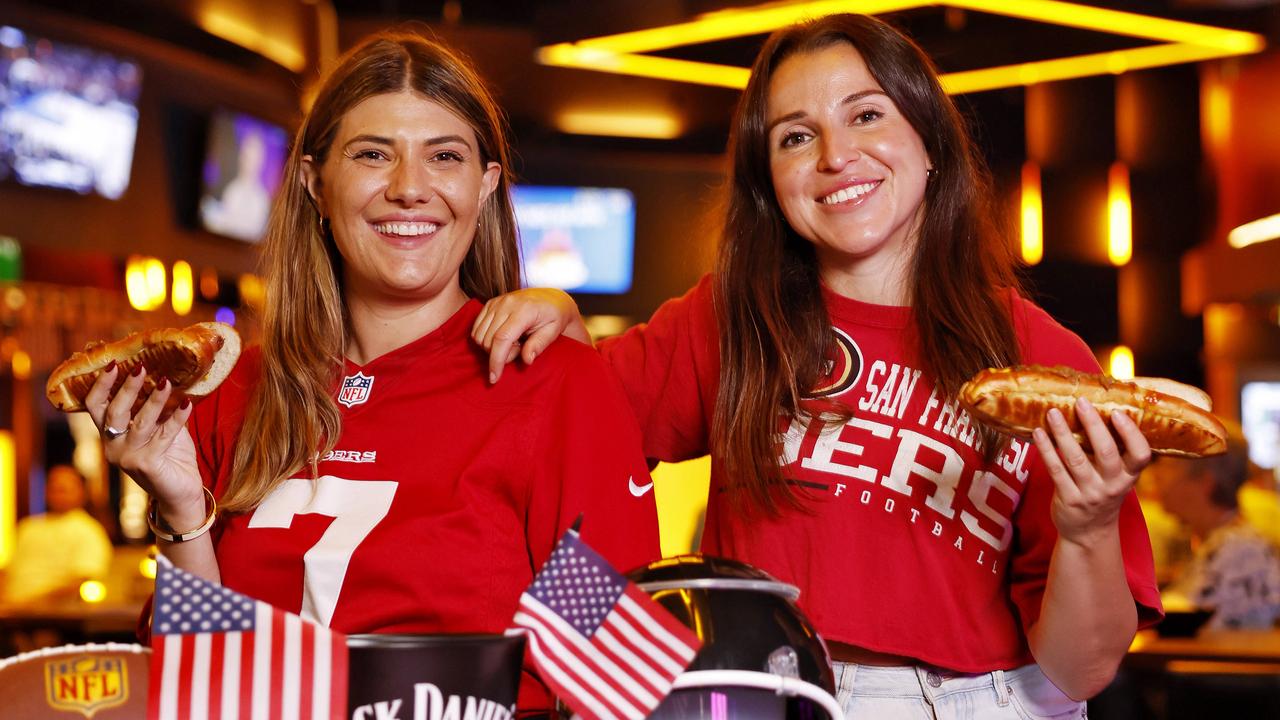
164, 532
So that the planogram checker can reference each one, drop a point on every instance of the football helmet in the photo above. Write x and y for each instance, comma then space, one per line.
761, 658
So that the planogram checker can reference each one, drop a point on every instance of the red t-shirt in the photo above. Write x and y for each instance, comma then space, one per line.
914, 546
443, 495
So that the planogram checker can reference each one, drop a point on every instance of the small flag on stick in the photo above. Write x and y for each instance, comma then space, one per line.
602, 645
217, 654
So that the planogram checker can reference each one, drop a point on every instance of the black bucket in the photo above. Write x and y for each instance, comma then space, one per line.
428, 675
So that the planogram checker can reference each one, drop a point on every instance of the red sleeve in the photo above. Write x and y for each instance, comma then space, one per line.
1045, 342
588, 462
669, 368
203, 425
215, 423
215, 427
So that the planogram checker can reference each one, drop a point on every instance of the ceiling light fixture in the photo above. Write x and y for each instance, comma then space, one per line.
651, 66
247, 34
659, 126
1180, 42
8, 496
1120, 363
1119, 215
1032, 215
1251, 233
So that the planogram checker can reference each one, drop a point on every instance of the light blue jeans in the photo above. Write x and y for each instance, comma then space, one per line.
924, 693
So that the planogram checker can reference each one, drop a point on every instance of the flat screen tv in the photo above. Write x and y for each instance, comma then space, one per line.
243, 165
578, 239
1260, 420
68, 114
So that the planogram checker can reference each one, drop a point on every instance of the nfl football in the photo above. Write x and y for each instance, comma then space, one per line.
102, 682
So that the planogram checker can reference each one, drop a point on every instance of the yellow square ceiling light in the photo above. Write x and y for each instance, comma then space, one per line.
1176, 42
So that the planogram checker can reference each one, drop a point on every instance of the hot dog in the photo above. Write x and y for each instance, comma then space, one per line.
195, 359
1175, 418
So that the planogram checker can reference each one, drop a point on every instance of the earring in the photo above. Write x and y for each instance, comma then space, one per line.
324, 226
930, 174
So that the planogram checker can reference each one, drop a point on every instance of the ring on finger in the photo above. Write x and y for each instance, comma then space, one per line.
112, 433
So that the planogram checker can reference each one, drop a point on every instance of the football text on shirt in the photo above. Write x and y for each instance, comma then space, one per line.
959, 505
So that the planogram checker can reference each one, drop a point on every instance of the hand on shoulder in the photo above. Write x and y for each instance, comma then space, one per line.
523, 323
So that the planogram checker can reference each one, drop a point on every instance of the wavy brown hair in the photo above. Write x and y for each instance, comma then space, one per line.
293, 415
775, 330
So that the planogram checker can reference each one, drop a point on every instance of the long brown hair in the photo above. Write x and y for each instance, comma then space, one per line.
775, 330
293, 416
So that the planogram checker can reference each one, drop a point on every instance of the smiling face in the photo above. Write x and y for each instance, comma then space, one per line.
848, 170
402, 186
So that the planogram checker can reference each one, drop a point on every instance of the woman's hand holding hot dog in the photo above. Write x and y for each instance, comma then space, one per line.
1087, 567
158, 453
1090, 487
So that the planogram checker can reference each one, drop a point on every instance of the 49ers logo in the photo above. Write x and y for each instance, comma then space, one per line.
86, 684
843, 368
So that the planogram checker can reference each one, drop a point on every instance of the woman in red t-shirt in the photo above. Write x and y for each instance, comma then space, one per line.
860, 282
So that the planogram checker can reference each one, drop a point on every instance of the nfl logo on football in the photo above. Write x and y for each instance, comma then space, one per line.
86, 684
355, 389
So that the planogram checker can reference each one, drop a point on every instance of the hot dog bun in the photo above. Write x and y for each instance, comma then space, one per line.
1175, 418
195, 359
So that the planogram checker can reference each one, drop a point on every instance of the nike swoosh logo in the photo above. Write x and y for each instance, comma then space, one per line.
638, 490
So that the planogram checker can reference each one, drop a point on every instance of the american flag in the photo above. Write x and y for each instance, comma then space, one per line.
219, 655
602, 645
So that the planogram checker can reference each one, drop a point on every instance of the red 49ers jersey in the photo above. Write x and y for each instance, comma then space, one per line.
914, 546
444, 494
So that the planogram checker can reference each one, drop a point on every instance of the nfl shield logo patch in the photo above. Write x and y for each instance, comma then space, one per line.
86, 684
355, 389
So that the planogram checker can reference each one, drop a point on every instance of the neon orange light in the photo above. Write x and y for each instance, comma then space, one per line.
1032, 215
1179, 42
1119, 215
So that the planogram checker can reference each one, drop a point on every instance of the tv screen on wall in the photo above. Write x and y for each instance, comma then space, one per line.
243, 165
68, 114
1260, 420
578, 239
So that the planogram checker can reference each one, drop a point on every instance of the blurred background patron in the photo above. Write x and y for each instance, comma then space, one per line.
1234, 568
57, 550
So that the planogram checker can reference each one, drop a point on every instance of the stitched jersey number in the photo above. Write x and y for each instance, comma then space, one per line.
356, 506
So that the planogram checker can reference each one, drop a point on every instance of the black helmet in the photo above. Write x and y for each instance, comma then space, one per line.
761, 659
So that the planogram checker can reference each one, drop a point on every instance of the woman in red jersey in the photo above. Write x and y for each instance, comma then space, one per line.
367, 475
860, 281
